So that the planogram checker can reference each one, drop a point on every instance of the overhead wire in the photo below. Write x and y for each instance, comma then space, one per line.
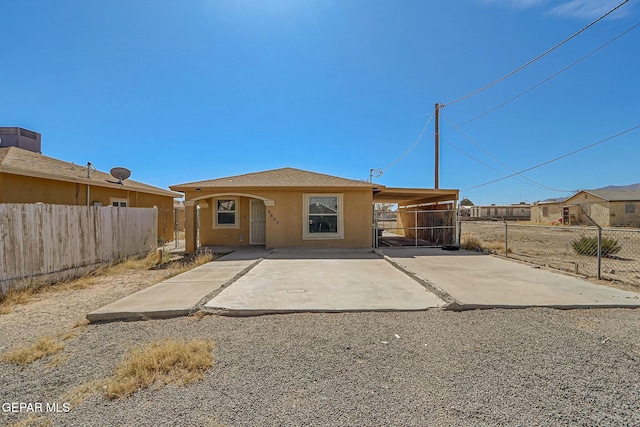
499, 161
551, 76
532, 182
415, 144
557, 158
520, 68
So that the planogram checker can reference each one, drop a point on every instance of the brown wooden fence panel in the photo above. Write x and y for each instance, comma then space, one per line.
42, 244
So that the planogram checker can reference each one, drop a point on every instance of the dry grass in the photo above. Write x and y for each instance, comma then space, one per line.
26, 294
160, 363
33, 421
179, 267
472, 243
45, 346
79, 394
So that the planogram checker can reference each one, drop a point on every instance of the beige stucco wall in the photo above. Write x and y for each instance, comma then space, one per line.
24, 189
554, 212
285, 217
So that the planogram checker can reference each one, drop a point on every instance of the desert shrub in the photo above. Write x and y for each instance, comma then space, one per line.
589, 246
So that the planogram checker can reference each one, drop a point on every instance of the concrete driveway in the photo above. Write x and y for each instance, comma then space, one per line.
256, 281
323, 281
472, 280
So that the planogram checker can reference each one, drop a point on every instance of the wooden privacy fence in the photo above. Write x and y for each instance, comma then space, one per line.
41, 244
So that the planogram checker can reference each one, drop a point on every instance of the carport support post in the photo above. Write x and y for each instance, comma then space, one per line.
189, 227
415, 225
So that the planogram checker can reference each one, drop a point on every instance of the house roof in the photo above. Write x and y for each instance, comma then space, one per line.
18, 161
613, 195
284, 177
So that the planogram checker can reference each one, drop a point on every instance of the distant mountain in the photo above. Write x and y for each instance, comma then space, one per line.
633, 187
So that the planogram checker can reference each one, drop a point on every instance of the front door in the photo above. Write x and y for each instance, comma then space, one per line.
258, 219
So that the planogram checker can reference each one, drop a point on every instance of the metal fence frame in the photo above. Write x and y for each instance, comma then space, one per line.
418, 230
559, 247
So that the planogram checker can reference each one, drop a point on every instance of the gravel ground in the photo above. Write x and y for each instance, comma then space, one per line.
491, 367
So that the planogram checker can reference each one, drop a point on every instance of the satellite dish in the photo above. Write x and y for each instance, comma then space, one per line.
120, 173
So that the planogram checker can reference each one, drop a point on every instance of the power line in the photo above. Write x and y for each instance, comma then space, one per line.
532, 182
557, 158
501, 162
506, 76
415, 144
552, 76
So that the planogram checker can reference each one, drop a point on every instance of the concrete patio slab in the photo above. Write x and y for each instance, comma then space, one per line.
322, 281
475, 280
176, 296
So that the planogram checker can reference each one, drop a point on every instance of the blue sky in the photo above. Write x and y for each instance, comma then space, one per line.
201, 89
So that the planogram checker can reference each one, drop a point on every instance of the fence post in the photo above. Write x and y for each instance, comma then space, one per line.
599, 247
599, 251
506, 238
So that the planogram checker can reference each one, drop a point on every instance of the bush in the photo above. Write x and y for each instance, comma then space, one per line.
589, 246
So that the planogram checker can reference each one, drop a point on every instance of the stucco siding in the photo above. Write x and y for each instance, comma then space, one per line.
25, 189
284, 218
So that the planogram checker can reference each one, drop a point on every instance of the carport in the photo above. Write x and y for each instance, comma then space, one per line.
414, 217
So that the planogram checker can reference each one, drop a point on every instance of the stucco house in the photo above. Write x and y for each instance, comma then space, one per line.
26, 176
547, 211
289, 207
608, 208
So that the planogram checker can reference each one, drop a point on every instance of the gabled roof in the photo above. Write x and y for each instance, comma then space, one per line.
17, 161
284, 177
614, 195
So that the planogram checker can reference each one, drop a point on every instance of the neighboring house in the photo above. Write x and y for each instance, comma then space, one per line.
608, 208
289, 208
547, 211
519, 212
26, 176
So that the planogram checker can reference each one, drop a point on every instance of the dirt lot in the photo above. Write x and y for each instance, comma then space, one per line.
552, 247
485, 368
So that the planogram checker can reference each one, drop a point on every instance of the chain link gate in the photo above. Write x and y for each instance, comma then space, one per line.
415, 226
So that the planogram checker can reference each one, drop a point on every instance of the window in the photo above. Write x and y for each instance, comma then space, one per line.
226, 213
509, 211
118, 203
323, 216
545, 211
629, 208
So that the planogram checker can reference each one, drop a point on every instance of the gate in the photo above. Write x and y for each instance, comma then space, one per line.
425, 226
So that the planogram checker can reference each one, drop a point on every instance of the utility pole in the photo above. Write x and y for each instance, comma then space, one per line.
437, 148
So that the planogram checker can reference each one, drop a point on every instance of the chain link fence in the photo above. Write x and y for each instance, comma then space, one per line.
602, 253
415, 227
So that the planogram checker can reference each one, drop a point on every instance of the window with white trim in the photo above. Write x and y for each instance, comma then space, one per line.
119, 203
323, 216
226, 213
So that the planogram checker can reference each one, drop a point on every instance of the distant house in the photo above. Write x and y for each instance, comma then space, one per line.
608, 208
26, 176
547, 211
290, 207
519, 212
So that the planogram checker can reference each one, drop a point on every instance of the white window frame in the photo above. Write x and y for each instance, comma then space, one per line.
214, 208
339, 235
113, 200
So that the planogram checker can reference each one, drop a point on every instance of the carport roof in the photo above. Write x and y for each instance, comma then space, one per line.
413, 196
